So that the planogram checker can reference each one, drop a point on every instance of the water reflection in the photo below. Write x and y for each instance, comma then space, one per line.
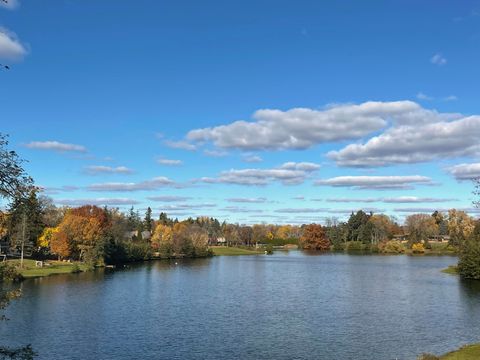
284, 306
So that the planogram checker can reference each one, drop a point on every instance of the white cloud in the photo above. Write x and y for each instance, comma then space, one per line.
9, 4
168, 198
352, 200
450, 98
236, 209
412, 144
183, 145
288, 174
376, 182
55, 146
465, 171
177, 207
147, 185
301, 210
415, 199
170, 162
100, 169
11, 48
250, 158
397, 200
438, 59
248, 200
303, 166
422, 96
215, 153
301, 128
96, 201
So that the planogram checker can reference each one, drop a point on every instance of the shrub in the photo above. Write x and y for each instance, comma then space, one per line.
391, 247
469, 262
355, 246
418, 248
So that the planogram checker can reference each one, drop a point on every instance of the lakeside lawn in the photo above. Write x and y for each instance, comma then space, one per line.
452, 270
232, 251
55, 267
468, 352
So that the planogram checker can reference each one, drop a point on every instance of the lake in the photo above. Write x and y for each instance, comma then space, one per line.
290, 305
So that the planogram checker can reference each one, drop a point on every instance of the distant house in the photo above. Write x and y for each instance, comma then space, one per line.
133, 235
221, 241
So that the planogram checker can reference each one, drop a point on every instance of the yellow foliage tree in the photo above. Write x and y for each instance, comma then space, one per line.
163, 235
46, 237
460, 226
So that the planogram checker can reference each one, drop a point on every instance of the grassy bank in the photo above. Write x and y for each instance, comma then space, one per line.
468, 352
232, 251
55, 267
452, 270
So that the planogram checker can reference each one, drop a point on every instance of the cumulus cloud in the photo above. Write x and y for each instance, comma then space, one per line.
376, 182
170, 162
168, 198
11, 48
302, 128
100, 170
147, 185
96, 201
465, 171
258, 200
438, 59
303, 166
288, 174
56, 146
414, 143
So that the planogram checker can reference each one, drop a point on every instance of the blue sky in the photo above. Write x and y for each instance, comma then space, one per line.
343, 105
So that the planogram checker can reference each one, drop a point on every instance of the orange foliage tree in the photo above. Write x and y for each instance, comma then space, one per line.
314, 238
82, 229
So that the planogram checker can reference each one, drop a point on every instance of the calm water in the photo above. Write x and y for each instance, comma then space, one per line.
285, 306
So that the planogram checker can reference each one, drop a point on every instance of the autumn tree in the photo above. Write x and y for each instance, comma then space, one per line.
162, 240
314, 238
460, 226
245, 234
381, 228
84, 229
420, 227
59, 245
